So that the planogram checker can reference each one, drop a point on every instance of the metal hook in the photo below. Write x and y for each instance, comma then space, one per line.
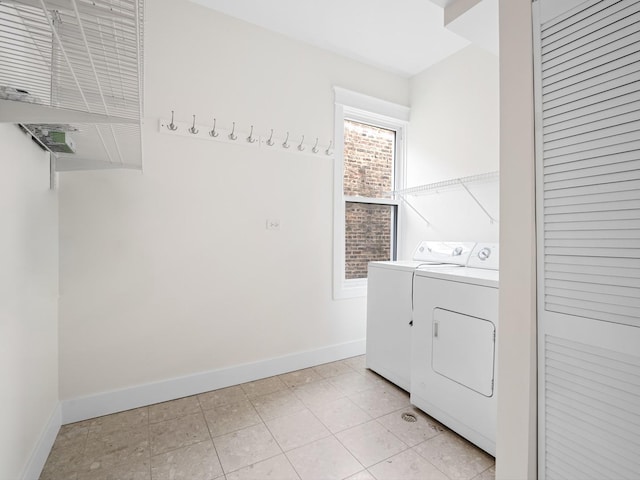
193, 129
213, 132
329, 150
250, 138
315, 148
232, 135
301, 146
270, 141
285, 144
172, 126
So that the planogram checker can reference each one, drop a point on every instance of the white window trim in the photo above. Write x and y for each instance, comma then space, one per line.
362, 108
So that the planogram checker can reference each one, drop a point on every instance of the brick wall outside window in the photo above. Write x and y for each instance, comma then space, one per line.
368, 172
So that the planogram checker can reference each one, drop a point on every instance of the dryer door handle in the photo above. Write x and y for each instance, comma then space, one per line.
435, 329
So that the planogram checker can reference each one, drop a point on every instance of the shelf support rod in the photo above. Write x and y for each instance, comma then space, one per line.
493, 220
415, 210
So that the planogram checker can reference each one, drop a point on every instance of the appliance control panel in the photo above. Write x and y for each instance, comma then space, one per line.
485, 255
443, 252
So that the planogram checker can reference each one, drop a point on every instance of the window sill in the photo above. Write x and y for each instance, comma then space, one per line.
350, 289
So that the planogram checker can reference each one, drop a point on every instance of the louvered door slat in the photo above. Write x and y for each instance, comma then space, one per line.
588, 212
600, 161
618, 94
592, 207
622, 264
587, 278
616, 32
610, 69
551, 134
613, 24
613, 177
579, 22
585, 191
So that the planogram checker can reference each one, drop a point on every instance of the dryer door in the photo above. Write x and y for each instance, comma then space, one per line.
464, 349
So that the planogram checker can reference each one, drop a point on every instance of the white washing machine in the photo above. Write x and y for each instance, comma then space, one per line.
389, 307
453, 351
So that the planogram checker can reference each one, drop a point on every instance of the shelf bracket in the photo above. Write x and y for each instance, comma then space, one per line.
491, 219
415, 210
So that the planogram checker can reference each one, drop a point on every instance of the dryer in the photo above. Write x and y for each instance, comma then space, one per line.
453, 350
389, 307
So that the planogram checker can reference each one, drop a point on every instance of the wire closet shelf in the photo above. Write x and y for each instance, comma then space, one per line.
454, 182
75, 67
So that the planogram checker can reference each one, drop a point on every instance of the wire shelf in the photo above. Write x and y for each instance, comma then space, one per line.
76, 62
430, 187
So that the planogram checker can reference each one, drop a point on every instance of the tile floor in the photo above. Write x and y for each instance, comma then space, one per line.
333, 421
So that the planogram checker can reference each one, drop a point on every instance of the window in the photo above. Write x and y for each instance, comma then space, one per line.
370, 137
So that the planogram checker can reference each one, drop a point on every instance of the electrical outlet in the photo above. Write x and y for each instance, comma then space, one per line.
273, 224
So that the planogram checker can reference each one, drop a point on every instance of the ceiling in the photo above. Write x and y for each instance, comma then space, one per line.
401, 36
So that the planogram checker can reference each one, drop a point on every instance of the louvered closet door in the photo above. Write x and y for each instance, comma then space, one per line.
588, 188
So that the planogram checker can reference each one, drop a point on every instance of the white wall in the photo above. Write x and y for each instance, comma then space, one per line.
516, 436
28, 296
172, 272
454, 132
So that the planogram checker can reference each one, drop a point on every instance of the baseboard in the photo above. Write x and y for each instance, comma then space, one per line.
77, 409
43, 447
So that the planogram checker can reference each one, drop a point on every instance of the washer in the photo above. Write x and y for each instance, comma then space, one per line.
389, 307
453, 351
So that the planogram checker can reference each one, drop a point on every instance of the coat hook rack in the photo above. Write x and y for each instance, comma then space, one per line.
329, 150
232, 135
172, 126
212, 132
193, 128
251, 138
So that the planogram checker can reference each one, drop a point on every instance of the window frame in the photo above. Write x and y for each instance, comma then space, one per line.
361, 108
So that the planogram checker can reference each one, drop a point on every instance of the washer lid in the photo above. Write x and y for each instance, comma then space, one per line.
456, 253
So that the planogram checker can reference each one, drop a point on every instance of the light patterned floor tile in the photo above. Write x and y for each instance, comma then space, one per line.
195, 462
359, 363
263, 387
318, 393
457, 458
231, 417
363, 475
222, 396
354, 382
340, 414
245, 447
371, 442
277, 404
292, 431
488, 474
65, 458
380, 401
275, 468
411, 433
300, 377
161, 412
301, 408
129, 471
332, 369
407, 465
324, 459
106, 450
117, 421
177, 433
